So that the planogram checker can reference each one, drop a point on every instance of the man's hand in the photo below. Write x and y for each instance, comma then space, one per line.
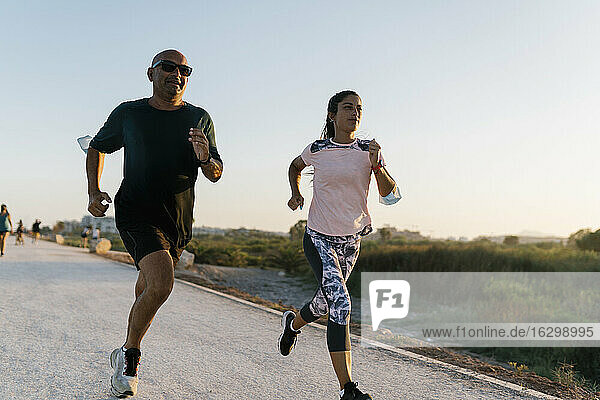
200, 143
95, 206
295, 201
374, 149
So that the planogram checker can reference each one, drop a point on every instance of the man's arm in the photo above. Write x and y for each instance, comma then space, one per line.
93, 164
214, 168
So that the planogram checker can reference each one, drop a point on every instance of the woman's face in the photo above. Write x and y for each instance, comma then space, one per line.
349, 112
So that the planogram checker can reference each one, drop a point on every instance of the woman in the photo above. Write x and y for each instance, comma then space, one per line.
337, 220
5, 227
84, 235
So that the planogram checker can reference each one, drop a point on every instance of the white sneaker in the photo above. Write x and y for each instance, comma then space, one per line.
124, 381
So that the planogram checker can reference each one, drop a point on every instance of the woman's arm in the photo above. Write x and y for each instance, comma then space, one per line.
294, 174
385, 182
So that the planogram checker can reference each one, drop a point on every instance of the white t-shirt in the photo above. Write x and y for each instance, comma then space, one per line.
340, 186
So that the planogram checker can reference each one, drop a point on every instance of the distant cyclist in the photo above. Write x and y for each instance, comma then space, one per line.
5, 227
167, 142
338, 218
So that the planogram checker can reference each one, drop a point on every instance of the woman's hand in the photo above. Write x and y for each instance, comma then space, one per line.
374, 149
295, 201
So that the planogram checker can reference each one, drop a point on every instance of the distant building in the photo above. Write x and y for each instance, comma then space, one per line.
106, 224
207, 230
409, 235
406, 234
72, 226
525, 239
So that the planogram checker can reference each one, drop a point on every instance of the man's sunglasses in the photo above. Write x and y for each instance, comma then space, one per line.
169, 66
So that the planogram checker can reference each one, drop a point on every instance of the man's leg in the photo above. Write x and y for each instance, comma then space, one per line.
140, 285
152, 289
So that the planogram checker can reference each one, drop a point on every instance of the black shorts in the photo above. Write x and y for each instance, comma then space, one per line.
141, 243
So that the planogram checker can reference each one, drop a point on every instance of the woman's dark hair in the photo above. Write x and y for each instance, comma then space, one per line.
3, 208
332, 107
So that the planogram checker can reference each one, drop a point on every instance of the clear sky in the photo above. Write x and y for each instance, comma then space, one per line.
487, 111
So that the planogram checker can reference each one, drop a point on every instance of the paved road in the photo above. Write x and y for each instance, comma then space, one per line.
62, 311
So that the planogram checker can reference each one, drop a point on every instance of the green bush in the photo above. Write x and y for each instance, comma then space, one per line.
474, 257
589, 241
289, 258
217, 253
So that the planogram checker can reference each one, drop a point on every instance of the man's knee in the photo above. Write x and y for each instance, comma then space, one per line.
140, 285
158, 274
160, 292
159, 289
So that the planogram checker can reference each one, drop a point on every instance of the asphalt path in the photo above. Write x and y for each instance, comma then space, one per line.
62, 311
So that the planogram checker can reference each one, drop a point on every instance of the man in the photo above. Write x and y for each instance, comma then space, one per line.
166, 140
35, 231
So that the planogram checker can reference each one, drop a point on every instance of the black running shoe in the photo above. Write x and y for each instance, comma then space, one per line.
351, 392
287, 339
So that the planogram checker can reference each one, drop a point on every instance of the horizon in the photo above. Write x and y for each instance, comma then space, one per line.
521, 234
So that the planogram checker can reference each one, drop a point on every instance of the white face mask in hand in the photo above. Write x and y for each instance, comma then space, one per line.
391, 198
84, 142
394, 196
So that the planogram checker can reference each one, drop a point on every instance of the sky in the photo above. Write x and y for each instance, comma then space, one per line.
486, 111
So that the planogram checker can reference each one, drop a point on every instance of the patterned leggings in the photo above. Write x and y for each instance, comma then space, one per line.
332, 259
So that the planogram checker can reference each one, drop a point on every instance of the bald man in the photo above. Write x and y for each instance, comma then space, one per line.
166, 141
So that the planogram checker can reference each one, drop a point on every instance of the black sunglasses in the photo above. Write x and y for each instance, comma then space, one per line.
169, 66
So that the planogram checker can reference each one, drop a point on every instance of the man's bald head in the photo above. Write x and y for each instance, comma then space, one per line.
171, 55
168, 85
